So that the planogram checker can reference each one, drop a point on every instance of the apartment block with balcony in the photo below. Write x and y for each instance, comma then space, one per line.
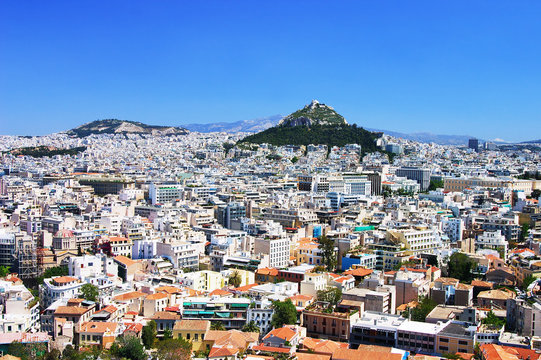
231, 312
60, 287
333, 325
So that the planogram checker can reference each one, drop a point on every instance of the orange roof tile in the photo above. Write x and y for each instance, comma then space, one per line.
286, 333
156, 296
245, 287
220, 292
64, 279
124, 260
267, 271
223, 351
99, 327
129, 296
308, 356
359, 272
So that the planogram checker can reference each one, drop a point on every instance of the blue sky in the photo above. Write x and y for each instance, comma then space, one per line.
448, 67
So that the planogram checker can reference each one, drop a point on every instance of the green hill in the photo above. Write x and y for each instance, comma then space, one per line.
316, 124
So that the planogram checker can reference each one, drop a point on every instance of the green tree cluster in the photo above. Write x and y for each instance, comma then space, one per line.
45, 151
149, 334
128, 347
492, 319
53, 272
331, 295
435, 184
460, 267
4, 271
235, 279
330, 135
174, 349
527, 281
28, 351
217, 325
285, 313
328, 253
89, 292
420, 312
524, 231
251, 327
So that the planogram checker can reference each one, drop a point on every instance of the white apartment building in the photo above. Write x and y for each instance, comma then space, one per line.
90, 266
492, 240
112, 223
84, 238
144, 248
277, 249
290, 217
181, 254
453, 228
120, 246
416, 240
313, 283
19, 311
60, 287
165, 193
261, 317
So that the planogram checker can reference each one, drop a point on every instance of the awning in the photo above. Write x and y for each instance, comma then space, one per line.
191, 313
240, 305
207, 312
223, 315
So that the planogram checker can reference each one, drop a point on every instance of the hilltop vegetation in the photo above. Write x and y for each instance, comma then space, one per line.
46, 151
329, 135
316, 124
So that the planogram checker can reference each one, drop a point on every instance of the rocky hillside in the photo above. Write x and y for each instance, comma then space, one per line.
314, 113
115, 126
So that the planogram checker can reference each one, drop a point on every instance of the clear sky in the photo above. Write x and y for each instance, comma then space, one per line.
446, 67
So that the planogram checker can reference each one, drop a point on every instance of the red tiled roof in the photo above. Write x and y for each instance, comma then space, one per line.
274, 349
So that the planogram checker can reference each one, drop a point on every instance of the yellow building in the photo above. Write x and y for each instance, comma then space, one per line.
247, 277
193, 331
205, 280
308, 252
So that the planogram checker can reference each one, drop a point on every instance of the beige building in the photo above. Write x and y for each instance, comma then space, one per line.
459, 184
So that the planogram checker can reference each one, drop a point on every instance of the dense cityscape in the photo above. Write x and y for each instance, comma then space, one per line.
200, 245
270, 180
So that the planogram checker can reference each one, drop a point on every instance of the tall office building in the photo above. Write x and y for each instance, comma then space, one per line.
473, 144
232, 211
422, 176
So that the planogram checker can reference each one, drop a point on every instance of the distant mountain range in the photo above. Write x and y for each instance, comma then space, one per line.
426, 137
253, 125
260, 124
300, 117
115, 126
